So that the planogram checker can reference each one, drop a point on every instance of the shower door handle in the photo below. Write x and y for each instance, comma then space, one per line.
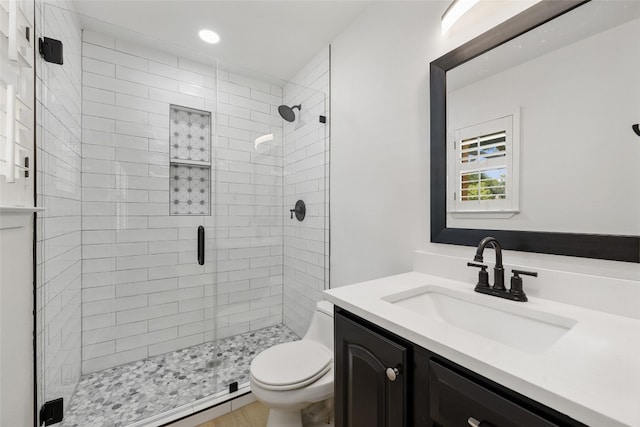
201, 245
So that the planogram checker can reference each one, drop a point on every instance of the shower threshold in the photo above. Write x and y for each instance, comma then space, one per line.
169, 384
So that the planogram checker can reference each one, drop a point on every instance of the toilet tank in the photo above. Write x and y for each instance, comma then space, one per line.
321, 328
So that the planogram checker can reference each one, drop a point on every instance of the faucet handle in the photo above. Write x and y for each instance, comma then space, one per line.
483, 276
516, 284
526, 273
474, 264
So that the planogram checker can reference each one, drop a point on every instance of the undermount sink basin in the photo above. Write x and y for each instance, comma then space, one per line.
510, 323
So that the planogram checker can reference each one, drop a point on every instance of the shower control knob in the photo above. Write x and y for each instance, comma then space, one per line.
300, 210
392, 373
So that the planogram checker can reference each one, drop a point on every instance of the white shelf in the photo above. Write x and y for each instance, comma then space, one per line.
16, 216
190, 163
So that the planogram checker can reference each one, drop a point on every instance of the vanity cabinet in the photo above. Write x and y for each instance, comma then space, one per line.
383, 380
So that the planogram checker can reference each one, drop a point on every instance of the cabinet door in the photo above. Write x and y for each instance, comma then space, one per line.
366, 396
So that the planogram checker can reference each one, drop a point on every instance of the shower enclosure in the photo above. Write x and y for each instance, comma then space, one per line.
168, 255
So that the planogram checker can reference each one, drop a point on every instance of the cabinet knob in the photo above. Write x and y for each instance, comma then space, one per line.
392, 373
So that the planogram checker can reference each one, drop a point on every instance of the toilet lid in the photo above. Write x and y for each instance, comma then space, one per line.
290, 364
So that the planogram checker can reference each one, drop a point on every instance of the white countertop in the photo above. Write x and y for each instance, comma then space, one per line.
592, 373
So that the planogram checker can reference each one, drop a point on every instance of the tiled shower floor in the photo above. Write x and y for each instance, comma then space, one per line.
127, 393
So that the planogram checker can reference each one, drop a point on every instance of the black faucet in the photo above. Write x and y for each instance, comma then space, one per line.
515, 293
498, 270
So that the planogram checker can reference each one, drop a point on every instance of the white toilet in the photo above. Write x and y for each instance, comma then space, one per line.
289, 377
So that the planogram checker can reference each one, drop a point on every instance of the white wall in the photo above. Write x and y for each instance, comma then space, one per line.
58, 188
16, 320
379, 140
305, 143
380, 144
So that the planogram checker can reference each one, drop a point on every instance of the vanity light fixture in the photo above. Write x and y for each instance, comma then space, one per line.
455, 12
209, 36
264, 138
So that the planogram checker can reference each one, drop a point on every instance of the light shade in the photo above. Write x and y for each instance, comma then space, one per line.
264, 138
455, 12
209, 36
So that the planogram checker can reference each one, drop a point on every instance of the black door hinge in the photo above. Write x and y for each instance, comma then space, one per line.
51, 412
51, 50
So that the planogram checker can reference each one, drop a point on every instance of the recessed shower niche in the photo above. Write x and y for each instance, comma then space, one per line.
190, 161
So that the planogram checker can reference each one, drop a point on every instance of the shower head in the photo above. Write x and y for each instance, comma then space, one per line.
287, 113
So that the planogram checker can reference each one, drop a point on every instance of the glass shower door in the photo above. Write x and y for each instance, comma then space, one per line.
270, 265
146, 153
125, 251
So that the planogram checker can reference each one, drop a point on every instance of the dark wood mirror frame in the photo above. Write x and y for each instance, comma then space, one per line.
599, 246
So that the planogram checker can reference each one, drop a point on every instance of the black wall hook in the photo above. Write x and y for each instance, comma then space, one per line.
636, 128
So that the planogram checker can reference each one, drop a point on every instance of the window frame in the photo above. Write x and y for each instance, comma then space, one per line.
501, 208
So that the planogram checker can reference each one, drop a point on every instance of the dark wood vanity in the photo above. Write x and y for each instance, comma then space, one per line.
383, 380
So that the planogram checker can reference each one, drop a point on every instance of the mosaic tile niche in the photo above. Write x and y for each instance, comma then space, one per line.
189, 190
190, 164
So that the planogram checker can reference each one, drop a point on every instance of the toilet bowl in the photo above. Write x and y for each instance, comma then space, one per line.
292, 376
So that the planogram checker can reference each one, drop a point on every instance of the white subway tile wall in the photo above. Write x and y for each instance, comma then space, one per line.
248, 204
117, 277
58, 246
143, 292
306, 177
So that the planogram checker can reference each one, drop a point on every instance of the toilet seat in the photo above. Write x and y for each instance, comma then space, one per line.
291, 365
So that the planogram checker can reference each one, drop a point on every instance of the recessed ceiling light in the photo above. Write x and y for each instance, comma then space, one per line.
209, 36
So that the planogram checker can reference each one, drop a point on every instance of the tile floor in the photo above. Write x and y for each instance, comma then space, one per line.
124, 394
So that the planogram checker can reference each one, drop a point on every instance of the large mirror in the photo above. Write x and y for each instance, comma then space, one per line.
531, 133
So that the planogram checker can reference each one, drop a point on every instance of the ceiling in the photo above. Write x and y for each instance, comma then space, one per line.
273, 37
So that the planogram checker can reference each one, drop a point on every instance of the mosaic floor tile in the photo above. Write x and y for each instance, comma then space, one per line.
127, 393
